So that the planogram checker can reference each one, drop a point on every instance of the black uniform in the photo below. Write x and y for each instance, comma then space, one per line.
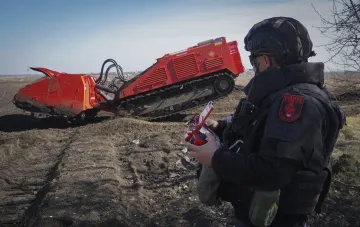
288, 128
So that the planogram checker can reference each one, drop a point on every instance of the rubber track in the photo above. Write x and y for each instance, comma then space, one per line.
200, 81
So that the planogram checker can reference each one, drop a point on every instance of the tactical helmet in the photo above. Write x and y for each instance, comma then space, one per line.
284, 38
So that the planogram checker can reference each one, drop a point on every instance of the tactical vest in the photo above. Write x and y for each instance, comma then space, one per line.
309, 188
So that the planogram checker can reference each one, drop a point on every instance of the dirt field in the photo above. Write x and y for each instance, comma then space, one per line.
127, 172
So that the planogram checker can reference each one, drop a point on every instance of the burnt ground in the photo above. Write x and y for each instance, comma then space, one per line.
129, 172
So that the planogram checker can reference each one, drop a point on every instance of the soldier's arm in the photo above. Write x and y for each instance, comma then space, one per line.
282, 150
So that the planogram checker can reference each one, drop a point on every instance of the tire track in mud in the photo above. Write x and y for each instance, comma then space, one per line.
31, 214
25, 160
93, 188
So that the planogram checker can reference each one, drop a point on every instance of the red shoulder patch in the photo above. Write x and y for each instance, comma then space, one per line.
291, 107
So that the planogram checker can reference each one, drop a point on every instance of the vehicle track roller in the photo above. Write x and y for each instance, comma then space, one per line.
223, 84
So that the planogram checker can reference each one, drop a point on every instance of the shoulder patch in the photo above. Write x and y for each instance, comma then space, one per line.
291, 107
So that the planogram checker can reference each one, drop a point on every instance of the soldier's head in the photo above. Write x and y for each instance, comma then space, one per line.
277, 42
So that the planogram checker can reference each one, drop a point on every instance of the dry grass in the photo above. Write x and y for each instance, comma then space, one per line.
339, 84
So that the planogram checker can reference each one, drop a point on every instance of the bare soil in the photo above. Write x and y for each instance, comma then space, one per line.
130, 172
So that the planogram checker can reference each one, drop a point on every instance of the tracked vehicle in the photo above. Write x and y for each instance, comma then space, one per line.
175, 83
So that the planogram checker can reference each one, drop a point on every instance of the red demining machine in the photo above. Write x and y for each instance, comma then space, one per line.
174, 83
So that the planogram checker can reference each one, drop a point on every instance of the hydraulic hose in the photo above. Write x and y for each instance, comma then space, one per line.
112, 87
119, 71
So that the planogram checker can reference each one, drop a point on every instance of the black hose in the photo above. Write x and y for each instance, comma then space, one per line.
101, 72
107, 72
119, 71
112, 85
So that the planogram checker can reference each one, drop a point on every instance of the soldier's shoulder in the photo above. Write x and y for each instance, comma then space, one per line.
291, 106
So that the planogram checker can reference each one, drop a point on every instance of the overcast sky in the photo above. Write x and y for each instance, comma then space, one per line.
77, 36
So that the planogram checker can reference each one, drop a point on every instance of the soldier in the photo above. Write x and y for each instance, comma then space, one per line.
274, 162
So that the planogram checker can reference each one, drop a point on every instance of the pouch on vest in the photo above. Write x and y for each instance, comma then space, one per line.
263, 208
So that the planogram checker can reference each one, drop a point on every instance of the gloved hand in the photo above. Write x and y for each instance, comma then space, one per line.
204, 153
212, 124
